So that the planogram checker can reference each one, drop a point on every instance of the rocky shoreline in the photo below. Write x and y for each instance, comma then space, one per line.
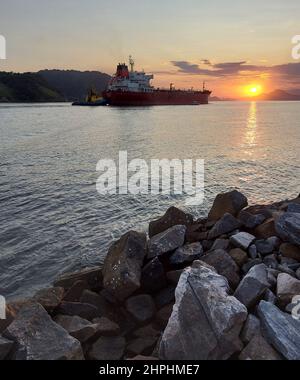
222, 288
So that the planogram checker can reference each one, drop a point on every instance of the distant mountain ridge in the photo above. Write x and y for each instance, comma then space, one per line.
27, 87
73, 84
278, 95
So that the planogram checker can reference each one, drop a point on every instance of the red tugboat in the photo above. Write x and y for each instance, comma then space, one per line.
133, 88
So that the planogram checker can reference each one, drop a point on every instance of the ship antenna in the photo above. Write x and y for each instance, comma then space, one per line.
131, 63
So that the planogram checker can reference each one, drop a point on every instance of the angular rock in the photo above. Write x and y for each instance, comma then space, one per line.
174, 276
231, 203
166, 241
224, 265
286, 269
153, 276
272, 279
192, 236
271, 261
268, 246
5, 347
142, 308
163, 315
270, 297
122, 267
251, 329
259, 349
242, 240
250, 264
75, 291
97, 300
220, 244
12, 310
39, 338
91, 276
239, 256
187, 254
266, 229
253, 252
79, 328
290, 251
226, 224
165, 297
173, 217
108, 348
50, 298
281, 330
141, 346
251, 221
206, 321
106, 327
287, 288
147, 331
83, 310
253, 286
288, 227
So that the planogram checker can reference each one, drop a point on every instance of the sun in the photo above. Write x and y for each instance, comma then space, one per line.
253, 90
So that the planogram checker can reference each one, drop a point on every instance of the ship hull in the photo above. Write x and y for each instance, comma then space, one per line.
156, 98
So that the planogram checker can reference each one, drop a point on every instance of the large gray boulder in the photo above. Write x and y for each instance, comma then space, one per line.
50, 298
173, 217
232, 203
224, 265
37, 337
206, 322
288, 227
253, 286
251, 329
251, 221
123, 264
187, 254
225, 225
77, 327
267, 246
281, 330
287, 288
166, 241
141, 308
242, 240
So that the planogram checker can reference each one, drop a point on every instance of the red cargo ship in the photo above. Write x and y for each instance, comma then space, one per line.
133, 88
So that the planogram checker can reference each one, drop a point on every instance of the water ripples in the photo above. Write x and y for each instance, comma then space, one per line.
52, 219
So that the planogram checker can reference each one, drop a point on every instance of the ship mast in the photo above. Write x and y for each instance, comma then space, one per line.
131, 63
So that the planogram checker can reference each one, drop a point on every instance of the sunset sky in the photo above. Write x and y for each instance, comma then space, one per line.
233, 45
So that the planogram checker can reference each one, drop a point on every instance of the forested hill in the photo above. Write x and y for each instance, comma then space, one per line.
74, 85
27, 87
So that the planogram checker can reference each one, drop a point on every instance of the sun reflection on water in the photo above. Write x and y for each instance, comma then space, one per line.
251, 131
